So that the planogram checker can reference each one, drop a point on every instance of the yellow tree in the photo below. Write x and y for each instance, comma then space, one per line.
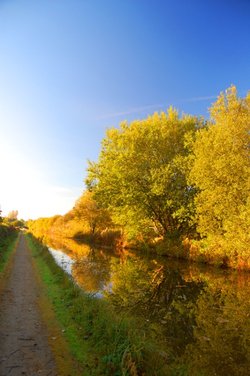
221, 172
141, 174
91, 214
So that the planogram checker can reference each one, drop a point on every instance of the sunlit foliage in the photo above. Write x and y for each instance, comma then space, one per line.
177, 182
87, 220
88, 211
141, 174
221, 172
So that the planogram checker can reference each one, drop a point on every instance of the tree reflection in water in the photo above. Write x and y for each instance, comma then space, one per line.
92, 273
199, 315
161, 296
204, 317
222, 332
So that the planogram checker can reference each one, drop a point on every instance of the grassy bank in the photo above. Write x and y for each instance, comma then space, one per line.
8, 239
217, 253
101, 342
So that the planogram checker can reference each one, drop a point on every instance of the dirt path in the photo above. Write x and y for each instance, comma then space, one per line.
24, 348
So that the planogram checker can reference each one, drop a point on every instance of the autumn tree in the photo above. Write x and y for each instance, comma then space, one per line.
141, 174
221, 173
90, 213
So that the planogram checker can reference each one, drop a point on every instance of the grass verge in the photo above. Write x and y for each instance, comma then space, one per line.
8, 242
101, 342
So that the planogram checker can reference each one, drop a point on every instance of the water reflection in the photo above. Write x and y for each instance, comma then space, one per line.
93, 272
62, 259
201, 315
222, 332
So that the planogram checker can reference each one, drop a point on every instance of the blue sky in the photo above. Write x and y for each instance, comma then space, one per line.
71, 69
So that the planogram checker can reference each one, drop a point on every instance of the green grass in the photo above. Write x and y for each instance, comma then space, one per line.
8, 239
102, 342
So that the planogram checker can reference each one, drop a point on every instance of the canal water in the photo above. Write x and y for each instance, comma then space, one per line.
202, 313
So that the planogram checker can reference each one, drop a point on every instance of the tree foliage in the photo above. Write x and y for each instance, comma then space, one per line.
170, 177
141, 174
88, 211
221, 172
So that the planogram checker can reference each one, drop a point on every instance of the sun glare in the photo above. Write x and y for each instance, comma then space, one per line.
23, 188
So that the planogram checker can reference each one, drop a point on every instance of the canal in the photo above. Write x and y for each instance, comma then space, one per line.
200, 313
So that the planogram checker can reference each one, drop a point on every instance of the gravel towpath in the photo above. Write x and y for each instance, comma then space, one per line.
24, 348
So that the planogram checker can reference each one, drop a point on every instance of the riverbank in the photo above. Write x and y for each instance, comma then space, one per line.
205, 252
216, 253
192, 251
100, 341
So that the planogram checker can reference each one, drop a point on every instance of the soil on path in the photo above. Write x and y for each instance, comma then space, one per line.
24, 347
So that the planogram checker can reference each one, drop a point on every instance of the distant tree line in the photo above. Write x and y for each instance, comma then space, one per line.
8, 226
11, 220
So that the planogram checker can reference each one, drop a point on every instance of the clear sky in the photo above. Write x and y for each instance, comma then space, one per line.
69, 69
